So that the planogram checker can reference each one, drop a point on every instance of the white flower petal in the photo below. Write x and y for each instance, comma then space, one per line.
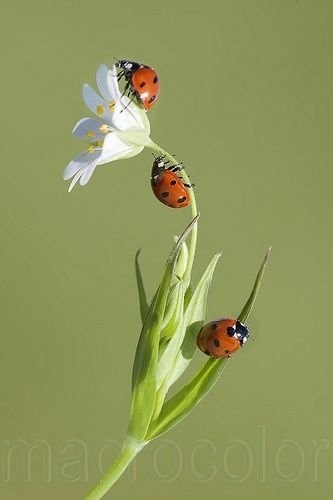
102, 82
83, 160
75, 179
135, 150
114, 148
121, 155
139, 116
112, 83
135, 137
125, 115
85, 177
96, 103
142, 119
84, 174
89, 129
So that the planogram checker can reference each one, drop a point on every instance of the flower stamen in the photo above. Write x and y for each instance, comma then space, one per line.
100, 110
105, 129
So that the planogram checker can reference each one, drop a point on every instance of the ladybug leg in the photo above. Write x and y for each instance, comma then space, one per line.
176, 168
127, 89
120, 75
130, 94
187, 185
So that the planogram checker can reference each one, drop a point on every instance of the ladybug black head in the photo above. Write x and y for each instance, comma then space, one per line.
242, 333
159, 166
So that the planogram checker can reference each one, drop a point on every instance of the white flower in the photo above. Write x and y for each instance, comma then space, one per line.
121, 130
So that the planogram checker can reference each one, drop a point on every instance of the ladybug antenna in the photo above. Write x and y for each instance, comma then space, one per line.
117, 65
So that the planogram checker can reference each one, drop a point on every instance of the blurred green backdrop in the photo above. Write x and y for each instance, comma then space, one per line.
246, 103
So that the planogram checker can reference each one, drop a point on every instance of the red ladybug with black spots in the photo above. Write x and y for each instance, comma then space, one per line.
141, 82
167, 186
221, 338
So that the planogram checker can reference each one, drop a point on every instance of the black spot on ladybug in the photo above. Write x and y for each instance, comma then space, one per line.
213, 326
173, 182
142, 84
207, 352
165, 194
216, 342
182, 199
230, 331
226, 351
152, 99
155, 79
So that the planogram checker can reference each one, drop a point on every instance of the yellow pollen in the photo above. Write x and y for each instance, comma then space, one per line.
100, 109
91, 149
104, 129
111, 105
90, 134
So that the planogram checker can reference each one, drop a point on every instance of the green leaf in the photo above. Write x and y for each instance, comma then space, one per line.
178, 406
143, 378
250, 301
174, 310
144, 306
168, 354
182, 260
145, 362
181, 348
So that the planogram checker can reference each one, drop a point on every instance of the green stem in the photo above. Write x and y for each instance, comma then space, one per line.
130, 449
194, 235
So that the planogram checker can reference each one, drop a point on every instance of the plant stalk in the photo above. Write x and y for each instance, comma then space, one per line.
129, 451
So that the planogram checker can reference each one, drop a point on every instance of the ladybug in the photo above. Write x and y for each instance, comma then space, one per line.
141, 82
167, 186
221, 338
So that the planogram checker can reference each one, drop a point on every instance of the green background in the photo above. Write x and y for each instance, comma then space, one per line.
246, 103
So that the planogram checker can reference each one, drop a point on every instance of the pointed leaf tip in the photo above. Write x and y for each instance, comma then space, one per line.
183, 237
144, 306
244, 314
